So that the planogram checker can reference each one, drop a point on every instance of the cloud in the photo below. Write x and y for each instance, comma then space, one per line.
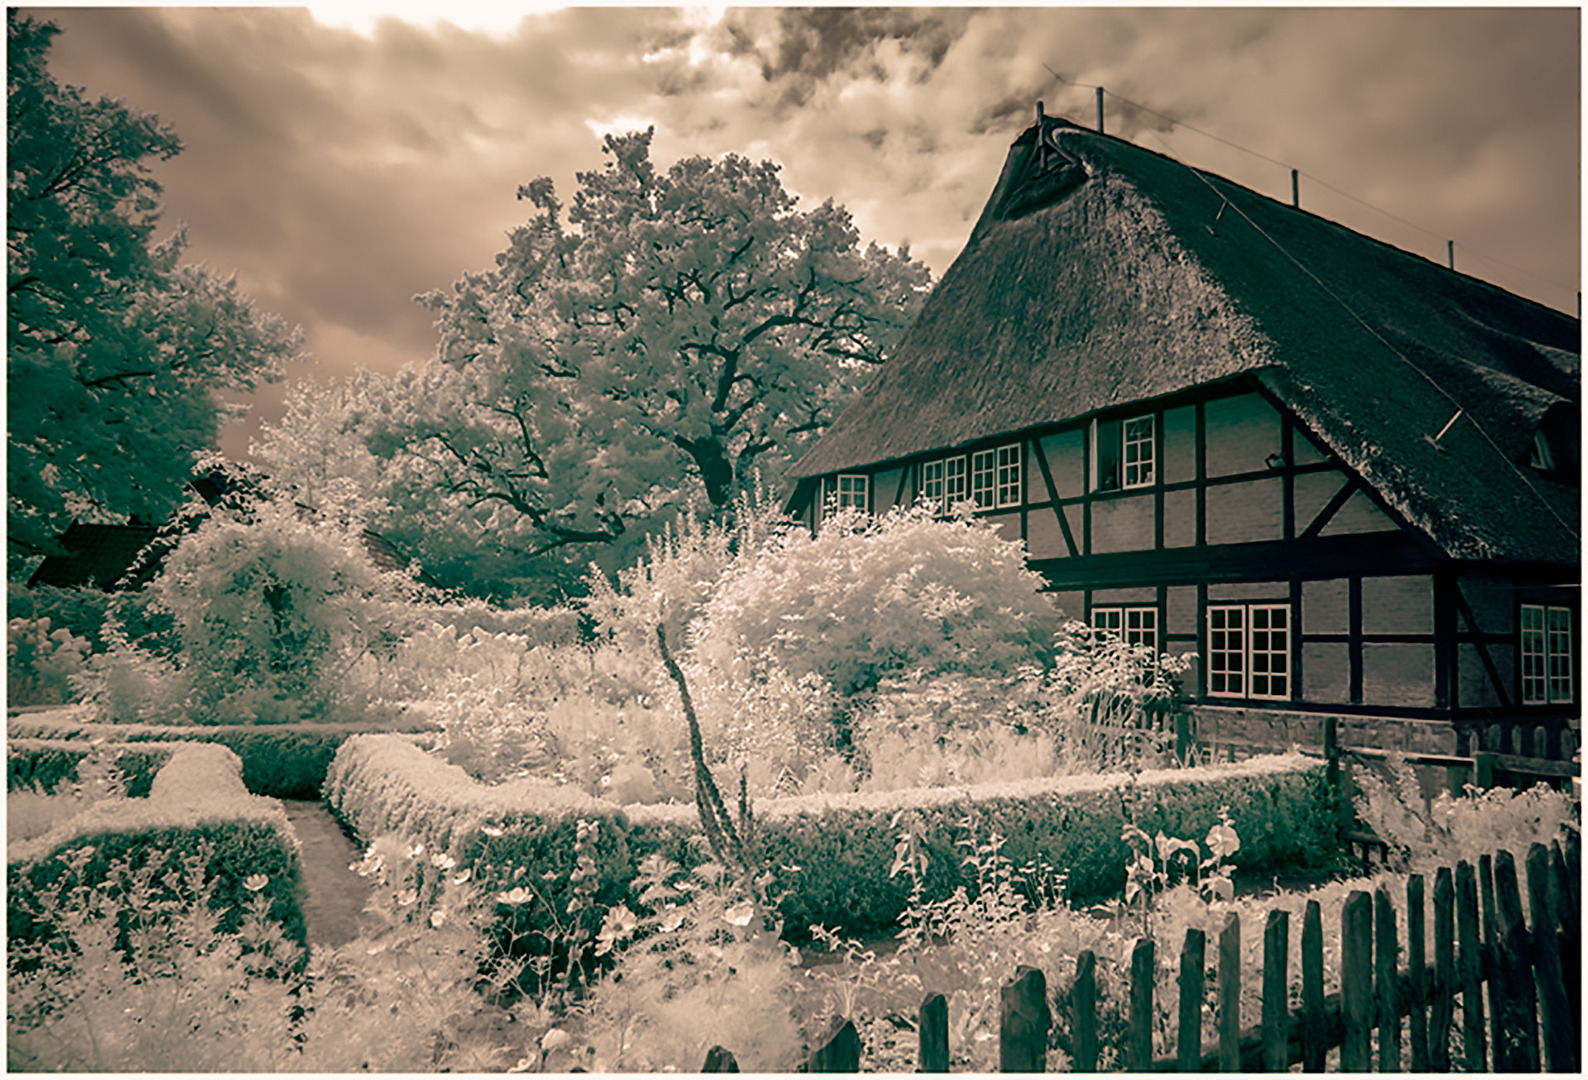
339, 170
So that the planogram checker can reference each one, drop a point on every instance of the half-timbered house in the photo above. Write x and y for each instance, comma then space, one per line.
1343, 476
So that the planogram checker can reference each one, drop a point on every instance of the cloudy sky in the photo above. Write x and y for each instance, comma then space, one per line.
340, 161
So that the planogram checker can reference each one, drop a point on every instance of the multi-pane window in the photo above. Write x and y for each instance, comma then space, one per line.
932, 484
1009, 475
1138, 452
983, 470
956, 482
1546, 642
1133, 625
852, 490
943, 483
1249, 650
1123, 453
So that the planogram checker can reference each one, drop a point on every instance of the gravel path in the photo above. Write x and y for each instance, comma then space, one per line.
333, 895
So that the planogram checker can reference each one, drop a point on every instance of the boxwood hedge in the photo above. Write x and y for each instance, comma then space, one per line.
198, 798
830, 855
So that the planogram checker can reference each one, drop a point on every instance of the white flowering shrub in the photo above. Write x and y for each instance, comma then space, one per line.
868, 597
272, 611
41, 660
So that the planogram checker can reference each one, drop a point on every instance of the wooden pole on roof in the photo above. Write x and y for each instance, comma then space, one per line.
1450, 252
1295, 188
1099, 110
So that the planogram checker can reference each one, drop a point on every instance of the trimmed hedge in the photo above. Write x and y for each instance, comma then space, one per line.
45, 763
283, 761
197, 797
831, 854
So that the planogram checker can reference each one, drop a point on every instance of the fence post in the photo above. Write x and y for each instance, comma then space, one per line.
1314, 1038
719, 1060
1554, 1012
1417, 971
840, 1052
1565, 891
1083, 1007
1276, 978
1138, 1044
1023, 1022
1331, 752
1521, 1013
1183, 742
1500, 1050
933, 1026
1483, 770
1385, 947
1442, 1010
1470, 967
1191, 967
1230, 995
1356, 982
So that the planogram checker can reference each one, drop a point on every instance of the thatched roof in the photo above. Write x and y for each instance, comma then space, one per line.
1101, 274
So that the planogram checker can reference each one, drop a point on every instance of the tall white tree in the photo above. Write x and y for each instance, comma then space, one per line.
673, 335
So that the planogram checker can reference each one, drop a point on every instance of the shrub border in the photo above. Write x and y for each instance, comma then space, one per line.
197, 796
830, 855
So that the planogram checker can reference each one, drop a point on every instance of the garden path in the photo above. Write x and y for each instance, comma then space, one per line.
333, 895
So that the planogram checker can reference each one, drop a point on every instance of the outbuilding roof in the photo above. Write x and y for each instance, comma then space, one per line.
1101, 273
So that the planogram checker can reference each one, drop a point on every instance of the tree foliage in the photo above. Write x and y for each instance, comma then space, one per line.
115, 351
670, 335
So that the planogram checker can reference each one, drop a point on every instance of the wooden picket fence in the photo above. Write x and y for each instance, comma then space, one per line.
1519, 988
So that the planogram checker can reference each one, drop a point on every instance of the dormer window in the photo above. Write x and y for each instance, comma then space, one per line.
1126, 456
1555, 444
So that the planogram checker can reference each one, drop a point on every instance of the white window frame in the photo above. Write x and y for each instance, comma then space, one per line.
1241, 652
932, 475
983, 479
1140, 471
1545, 654
853, 490
1133, 625
1008, 475
956, 482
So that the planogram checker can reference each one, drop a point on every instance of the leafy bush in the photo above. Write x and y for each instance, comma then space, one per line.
272, 611
1424, 834
868, 597
40, 662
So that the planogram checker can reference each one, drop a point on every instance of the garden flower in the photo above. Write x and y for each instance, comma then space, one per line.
255, 882
416, 851
740, 914
519, 895
443, 861
438, 918
491, 830
407, 897
462, 876
620, 924
555, 1039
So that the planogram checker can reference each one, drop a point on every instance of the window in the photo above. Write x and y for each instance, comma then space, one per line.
1009, 475
1134, 626
1125, 453
943, 484
956, 483
982, 470
1249, 650
932, 484
852, 490
995, 477
1138, 452
1546, 654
